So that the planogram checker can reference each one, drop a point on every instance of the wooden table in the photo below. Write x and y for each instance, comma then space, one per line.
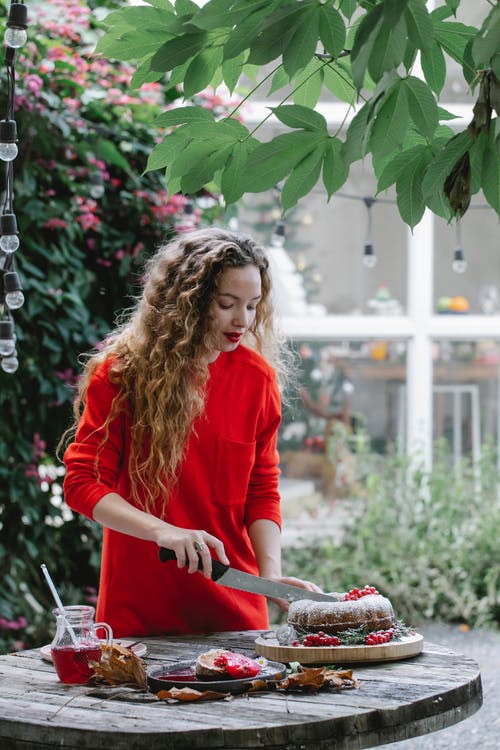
395, 700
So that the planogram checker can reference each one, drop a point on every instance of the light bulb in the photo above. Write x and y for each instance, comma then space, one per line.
7, 341
96, 188
8, 140
15, 37
14, 300
369, 257
17, 23
9, 241
278, 235
459, 264
186, 220
10, 363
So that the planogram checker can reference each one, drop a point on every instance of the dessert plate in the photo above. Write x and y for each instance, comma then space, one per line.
403, 648
138, 648
183, 675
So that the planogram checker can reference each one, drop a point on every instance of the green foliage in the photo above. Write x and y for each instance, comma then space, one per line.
427, 541
315, 45
79, 261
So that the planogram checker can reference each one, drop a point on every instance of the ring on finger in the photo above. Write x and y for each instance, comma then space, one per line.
198, 546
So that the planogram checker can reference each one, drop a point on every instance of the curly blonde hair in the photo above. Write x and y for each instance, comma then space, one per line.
159, 354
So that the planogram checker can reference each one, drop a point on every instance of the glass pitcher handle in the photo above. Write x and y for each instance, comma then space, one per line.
109, 632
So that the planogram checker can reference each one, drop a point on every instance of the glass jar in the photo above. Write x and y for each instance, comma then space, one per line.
76, 643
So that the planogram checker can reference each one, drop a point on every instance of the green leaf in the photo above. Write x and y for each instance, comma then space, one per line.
486, 44
303, 177
348, 7
338, 80
231, 182
130, 44
179, 50
276, 34
393, 10
388, 49
204, 170
271, 162
364, 40
232, 70
243, 36
397, 166
143, 74
491, 176
331, 30
410, 198
308, 84
279, 80
133, 17
390, 124
423, 106
297, 116
335, 169
453, 37
445, 115
443, 163
201, 70
181, 115
434, 67
107, 151
354, 146
165, 152
217, 14
419, 24
301, 46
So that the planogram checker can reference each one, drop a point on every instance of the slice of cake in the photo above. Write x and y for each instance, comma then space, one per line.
223, 664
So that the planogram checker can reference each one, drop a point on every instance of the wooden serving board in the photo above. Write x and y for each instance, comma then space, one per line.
402, 649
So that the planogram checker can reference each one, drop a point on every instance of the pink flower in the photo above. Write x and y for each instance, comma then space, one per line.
33, 83
55, 223
88, 221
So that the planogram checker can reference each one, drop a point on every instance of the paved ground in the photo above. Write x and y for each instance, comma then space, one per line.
482, 729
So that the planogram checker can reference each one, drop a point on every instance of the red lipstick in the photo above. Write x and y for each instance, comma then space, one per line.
233, 336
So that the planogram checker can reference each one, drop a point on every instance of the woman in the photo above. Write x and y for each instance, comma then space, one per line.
175, 443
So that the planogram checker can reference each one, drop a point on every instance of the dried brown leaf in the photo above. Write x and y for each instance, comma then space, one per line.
189, 694
120, 666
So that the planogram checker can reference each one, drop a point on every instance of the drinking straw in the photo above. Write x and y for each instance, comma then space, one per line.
60, 606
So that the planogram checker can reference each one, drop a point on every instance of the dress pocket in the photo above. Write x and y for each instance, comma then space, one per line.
232, 468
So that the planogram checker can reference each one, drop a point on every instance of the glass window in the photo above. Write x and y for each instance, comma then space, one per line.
346, 403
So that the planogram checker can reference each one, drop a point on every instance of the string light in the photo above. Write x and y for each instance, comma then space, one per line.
186, 221
11, 295
96, 188
17, 23
278, 235
14, 297
369, 257
459, 264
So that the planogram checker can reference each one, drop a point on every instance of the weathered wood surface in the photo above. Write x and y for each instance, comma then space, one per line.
395, 701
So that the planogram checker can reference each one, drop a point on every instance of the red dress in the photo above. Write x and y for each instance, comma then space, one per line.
228, 480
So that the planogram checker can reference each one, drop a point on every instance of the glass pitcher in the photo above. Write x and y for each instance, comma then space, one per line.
76, 643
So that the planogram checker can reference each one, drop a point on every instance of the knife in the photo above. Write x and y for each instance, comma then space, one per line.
237, 579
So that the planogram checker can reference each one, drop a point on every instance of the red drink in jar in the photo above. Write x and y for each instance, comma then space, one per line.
76, 643
73, 666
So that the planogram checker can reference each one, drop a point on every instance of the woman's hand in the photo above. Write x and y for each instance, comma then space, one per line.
292, 581
191, 546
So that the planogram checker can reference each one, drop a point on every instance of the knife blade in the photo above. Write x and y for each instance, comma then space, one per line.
237, 579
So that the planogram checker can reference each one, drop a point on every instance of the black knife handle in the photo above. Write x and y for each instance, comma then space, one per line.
218, 568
